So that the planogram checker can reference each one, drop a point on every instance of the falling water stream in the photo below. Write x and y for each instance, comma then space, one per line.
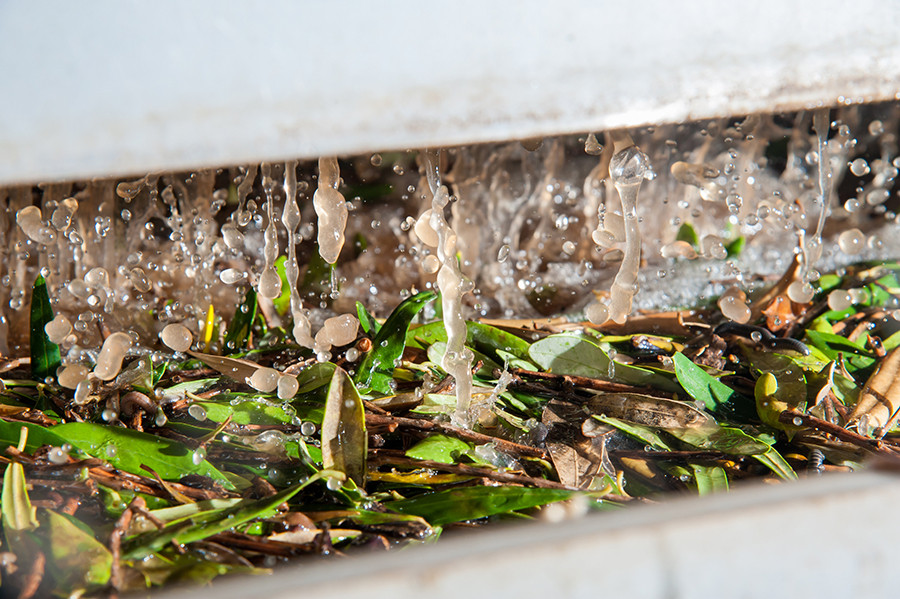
507, 230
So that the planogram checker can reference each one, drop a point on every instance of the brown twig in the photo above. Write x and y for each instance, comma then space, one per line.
876, 447
377, 459
454, 431
115, 547
34, 577
590, 383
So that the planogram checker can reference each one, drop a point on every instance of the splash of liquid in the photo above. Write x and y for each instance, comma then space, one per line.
457, 360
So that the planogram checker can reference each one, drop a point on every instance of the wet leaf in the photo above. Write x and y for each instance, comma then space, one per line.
282, 303
735, 246
377, 368
439, 448
777, 464
687, 233
206, 524
726, 439
469, 503
241, 324
710, 479
316, 376
344, 439
577, 356
482, 337
700, 385
37, 435
367, 322
831, 345
880, 397
77, 558
16, 510
44, 353
248, 411
128, 450
648, 410
787, 371
644, 434
236, 369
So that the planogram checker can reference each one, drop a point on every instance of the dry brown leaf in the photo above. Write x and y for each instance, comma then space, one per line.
880, 398
648, 410
234, 368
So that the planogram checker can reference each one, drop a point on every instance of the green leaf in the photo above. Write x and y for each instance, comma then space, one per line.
577, 356
128, 450
316, 376
206, 524
77, 558
645, 434
439, 448
485, 338
469, 503
241, 323
710, 479
367, 322
788, 372
344, 439
726, 439
317, 278
44, 353
377, 368
249, 410
686, 232
700, 385
777, 464
831, 345
16, 511
735, 246
37, 436
282, 303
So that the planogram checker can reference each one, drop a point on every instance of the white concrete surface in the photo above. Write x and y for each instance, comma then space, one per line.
833, 537
118, 87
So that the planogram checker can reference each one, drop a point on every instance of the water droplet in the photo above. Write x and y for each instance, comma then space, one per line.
177, 337
592, 146
859, 167
840, 299
197, 412
852, 241
198, 456
307, 429
58, 456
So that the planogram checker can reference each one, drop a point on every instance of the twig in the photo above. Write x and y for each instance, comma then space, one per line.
590, 383
115, 547
793, 418
459, 433
466, 470
34, 577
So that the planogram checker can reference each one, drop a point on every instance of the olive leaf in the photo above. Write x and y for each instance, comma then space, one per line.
76, 557
577, 356
469, 503
344, 439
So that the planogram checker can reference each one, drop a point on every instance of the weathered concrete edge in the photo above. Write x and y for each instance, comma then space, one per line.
173, 85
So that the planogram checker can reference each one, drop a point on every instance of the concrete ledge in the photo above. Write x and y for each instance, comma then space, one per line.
828, 537
132, 87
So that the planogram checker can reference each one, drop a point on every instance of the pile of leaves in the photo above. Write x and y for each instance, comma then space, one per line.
178, 471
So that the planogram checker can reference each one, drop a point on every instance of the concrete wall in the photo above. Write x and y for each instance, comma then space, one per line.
122, 87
